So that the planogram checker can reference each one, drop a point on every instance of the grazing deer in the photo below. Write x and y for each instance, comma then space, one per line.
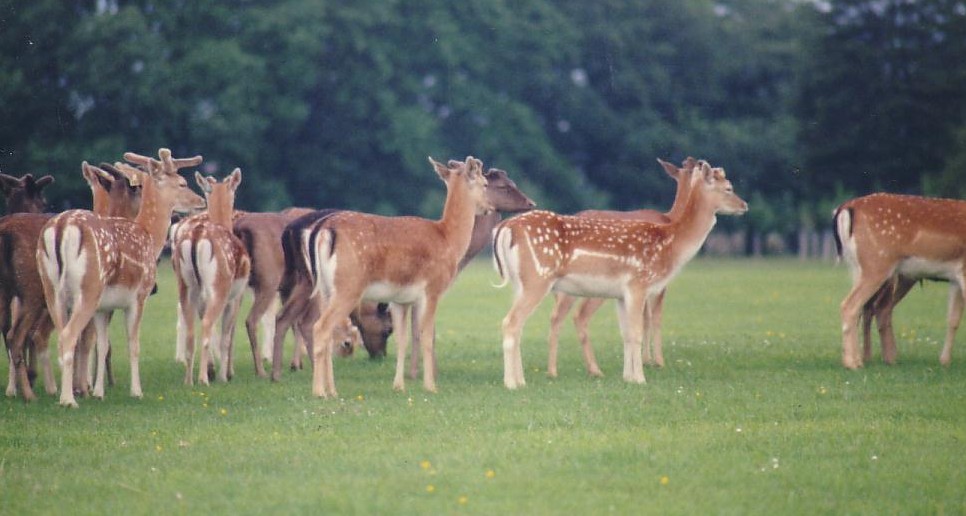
891, 241
91, 265
24, 195
302, 301
113, 195
589, 306
402, 260
212, 268
505, 197
626, 260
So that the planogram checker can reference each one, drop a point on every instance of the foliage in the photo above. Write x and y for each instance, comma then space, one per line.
753, 412
338, 104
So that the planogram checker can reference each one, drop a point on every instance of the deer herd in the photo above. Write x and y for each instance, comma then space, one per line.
339, 279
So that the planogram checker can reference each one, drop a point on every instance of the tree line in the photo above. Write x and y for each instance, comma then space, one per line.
331, 103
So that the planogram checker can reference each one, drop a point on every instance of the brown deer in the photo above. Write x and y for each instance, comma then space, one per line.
889, 242
653, 311
403, 260
212, 269
91, 265
505, 197
24, 194
630, 261
302, 303
113, 195
21, 195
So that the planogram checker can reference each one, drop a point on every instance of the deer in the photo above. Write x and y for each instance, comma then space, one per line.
627, 260
212, 268
563, 302
889, 242
25, 194
21, 195
403, 260
369, 323
505, 197
91, 265
113, 195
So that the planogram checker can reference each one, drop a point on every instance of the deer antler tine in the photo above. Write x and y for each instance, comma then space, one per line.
180, 163
138, 158
132, 174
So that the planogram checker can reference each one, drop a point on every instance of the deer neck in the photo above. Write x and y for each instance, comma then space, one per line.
155, 215
459, 214
681, 198
220, 210
692, 228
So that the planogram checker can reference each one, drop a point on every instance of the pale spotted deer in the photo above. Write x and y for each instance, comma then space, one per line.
113, 194
890, 241
652, 311
212, 269
91, 265
403, 260
629, 261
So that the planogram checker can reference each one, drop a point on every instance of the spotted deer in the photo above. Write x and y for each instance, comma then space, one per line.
114, 195
889, 242
627, 260
652, 311
402, 260
212, 268
91, 265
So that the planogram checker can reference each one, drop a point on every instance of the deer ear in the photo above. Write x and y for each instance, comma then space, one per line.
441, 170
669, 168
45, 181
95, 175
8, 183
474, 167
202, 182
234, 179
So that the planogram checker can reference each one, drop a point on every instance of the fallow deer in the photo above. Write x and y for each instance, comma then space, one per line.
402, 260
589, 306
113, 195
630, 261
91, 265
212, 269
24, 194
21, 195
505, 197
886, 239
369, 323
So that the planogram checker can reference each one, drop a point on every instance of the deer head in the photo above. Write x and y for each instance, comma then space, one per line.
24, 195
220, 196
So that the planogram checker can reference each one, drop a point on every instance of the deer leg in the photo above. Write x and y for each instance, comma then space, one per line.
400, 323
867, 284
409, 315
40, 342
100, 323
887, 336
956, 301
526, 301
134, 315
67, 344
19, 337
629, 310
228, 335
654, 327
561, 306
582, 322
181, 353
308, 314
283, 322
262, 301
267, 325
214, 308
426, 310
336, 311
86, 363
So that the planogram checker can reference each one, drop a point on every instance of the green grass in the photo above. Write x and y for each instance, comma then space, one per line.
753, 415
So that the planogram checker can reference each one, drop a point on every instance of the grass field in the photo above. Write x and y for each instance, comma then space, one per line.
752, 415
